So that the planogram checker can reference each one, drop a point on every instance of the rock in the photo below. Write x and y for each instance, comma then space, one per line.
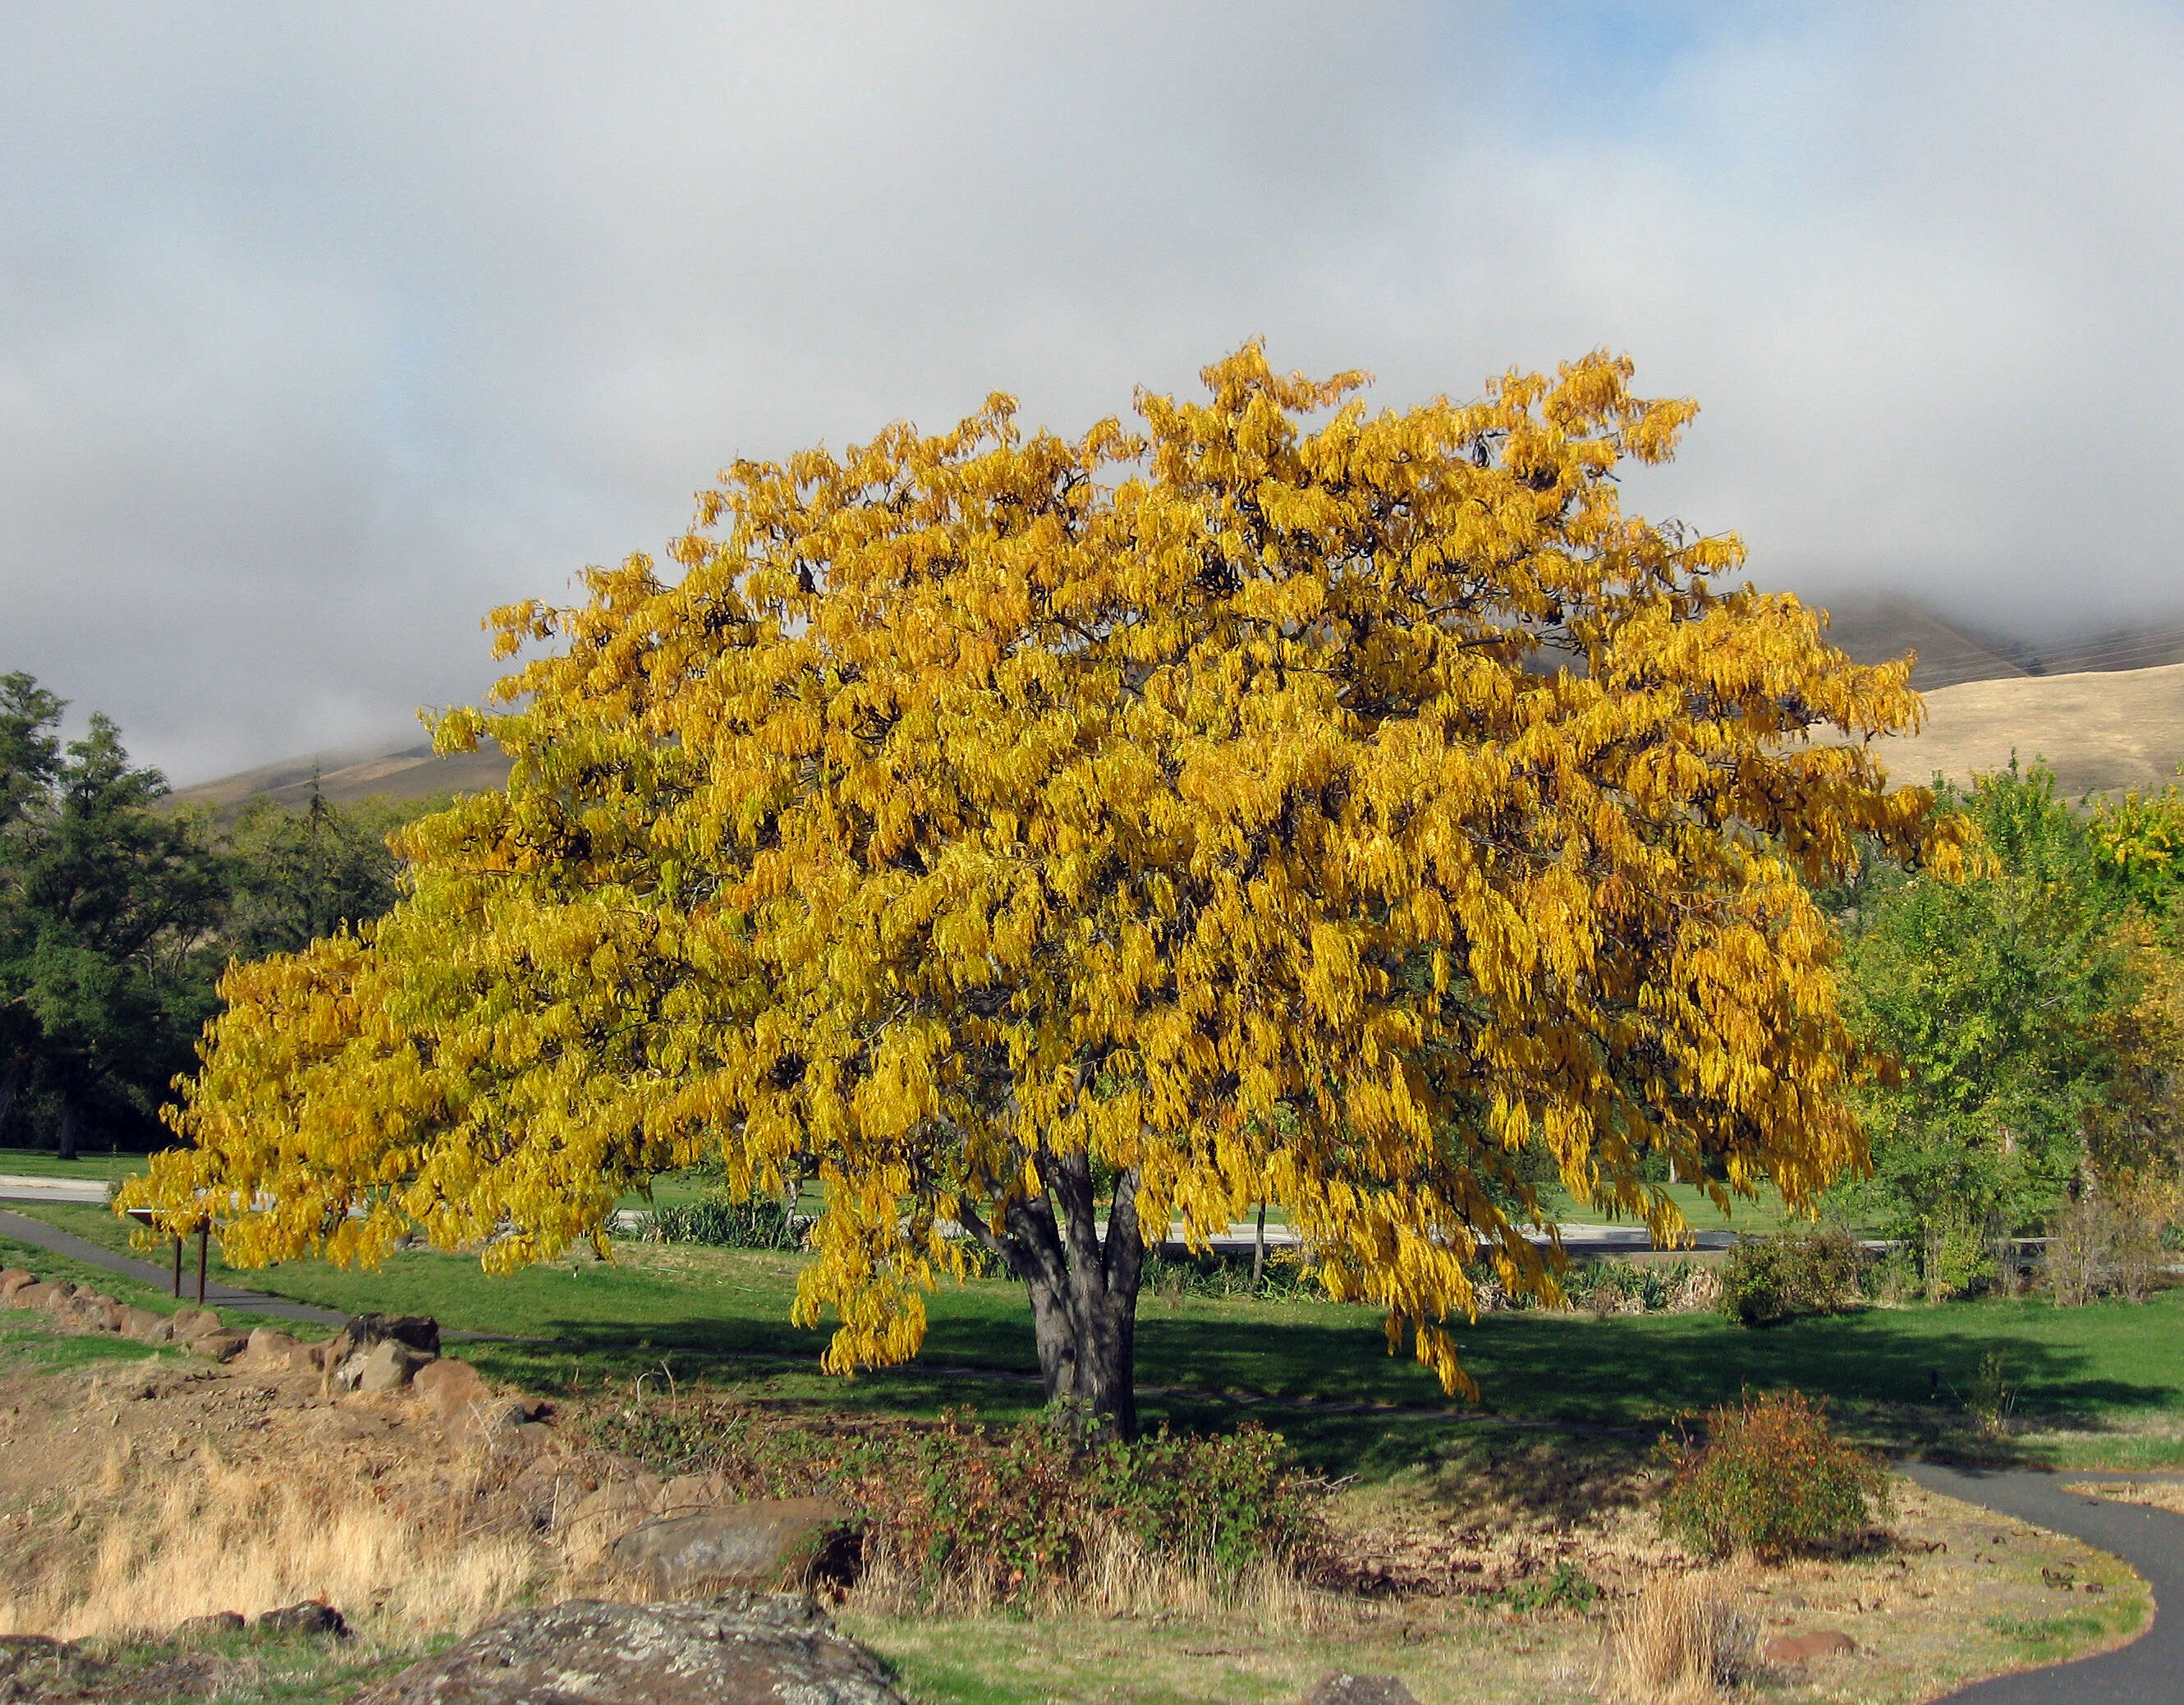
419, 1332
13, 1279
220, 1346
219, 1622
33, 1667
689, 1492
452, 1387
194, 1323
1803, 1648
271, 1349
740, 1650
387, 1366
597, 1520
99, 1313
147, 1325
766, 1543
312, 1616
1341, 1687
47, 1297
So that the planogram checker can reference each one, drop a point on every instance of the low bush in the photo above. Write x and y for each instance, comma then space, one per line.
2110, 1243
968, 1514
1771, 1279
1769, 1478
721, 1220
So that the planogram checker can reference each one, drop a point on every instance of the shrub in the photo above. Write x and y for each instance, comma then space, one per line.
1770, 1478
1771, 1279
1013, 1516
2109, 1242
723, 1221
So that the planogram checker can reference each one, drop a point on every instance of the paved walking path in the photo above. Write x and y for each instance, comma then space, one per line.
2150, 1670
16, 1186
25, 1230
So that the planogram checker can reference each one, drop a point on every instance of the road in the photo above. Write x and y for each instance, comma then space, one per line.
2150, 1670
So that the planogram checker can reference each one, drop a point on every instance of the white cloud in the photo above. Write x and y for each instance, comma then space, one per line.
323, 330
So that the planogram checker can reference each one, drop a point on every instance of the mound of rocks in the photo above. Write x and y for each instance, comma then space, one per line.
739, 1649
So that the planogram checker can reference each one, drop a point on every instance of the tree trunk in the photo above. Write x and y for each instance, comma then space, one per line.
1259, 1251
64, 1138
9, 1084
1084, 1288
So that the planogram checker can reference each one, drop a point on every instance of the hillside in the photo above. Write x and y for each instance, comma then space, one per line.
2109, 723
414, 772
2102, 731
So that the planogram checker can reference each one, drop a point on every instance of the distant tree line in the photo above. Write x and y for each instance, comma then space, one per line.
118, 911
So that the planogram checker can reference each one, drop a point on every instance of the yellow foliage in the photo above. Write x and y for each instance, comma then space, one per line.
1269, 809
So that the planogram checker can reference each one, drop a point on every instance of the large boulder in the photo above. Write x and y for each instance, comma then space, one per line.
390, 1365
14, 1280
453, 1389
270, 1350
739, 1650
194, 1323
600, 1518
419, 1332
48, 1298
220, 1346
147, 1325
765, 1544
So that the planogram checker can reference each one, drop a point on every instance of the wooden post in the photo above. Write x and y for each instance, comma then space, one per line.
204, 1237
178, 1266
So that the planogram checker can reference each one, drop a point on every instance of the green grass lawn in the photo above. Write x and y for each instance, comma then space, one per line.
43, 1163
2109, 1378
1765, 1212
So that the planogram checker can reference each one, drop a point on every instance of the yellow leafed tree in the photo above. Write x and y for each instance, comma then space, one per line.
1059, 844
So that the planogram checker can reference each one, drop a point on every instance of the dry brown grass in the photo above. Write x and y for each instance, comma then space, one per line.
220, 1537
1680, 1637
2162, 1495
1120, 1580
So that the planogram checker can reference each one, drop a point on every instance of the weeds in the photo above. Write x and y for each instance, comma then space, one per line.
218, 1538
967, 1515
1680, 1637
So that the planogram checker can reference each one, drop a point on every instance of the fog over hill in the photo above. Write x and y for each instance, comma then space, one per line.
2106, 709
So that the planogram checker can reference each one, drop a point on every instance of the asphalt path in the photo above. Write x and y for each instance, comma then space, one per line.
25, 1230
2150, 1670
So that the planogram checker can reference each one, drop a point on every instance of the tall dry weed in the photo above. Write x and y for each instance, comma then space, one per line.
1118, 1577
218, 1538
1681, 1640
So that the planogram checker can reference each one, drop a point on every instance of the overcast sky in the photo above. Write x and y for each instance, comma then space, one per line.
323, 329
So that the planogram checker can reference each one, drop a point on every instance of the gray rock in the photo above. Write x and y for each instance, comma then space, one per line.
147, 1325
767, 1544
739, 1650
388, 1365
219, 1622
1341, 1687
312, 1616
220, 1346
420, 1332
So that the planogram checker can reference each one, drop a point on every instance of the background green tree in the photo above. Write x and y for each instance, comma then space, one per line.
108, 915
2003, 998
295, 876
